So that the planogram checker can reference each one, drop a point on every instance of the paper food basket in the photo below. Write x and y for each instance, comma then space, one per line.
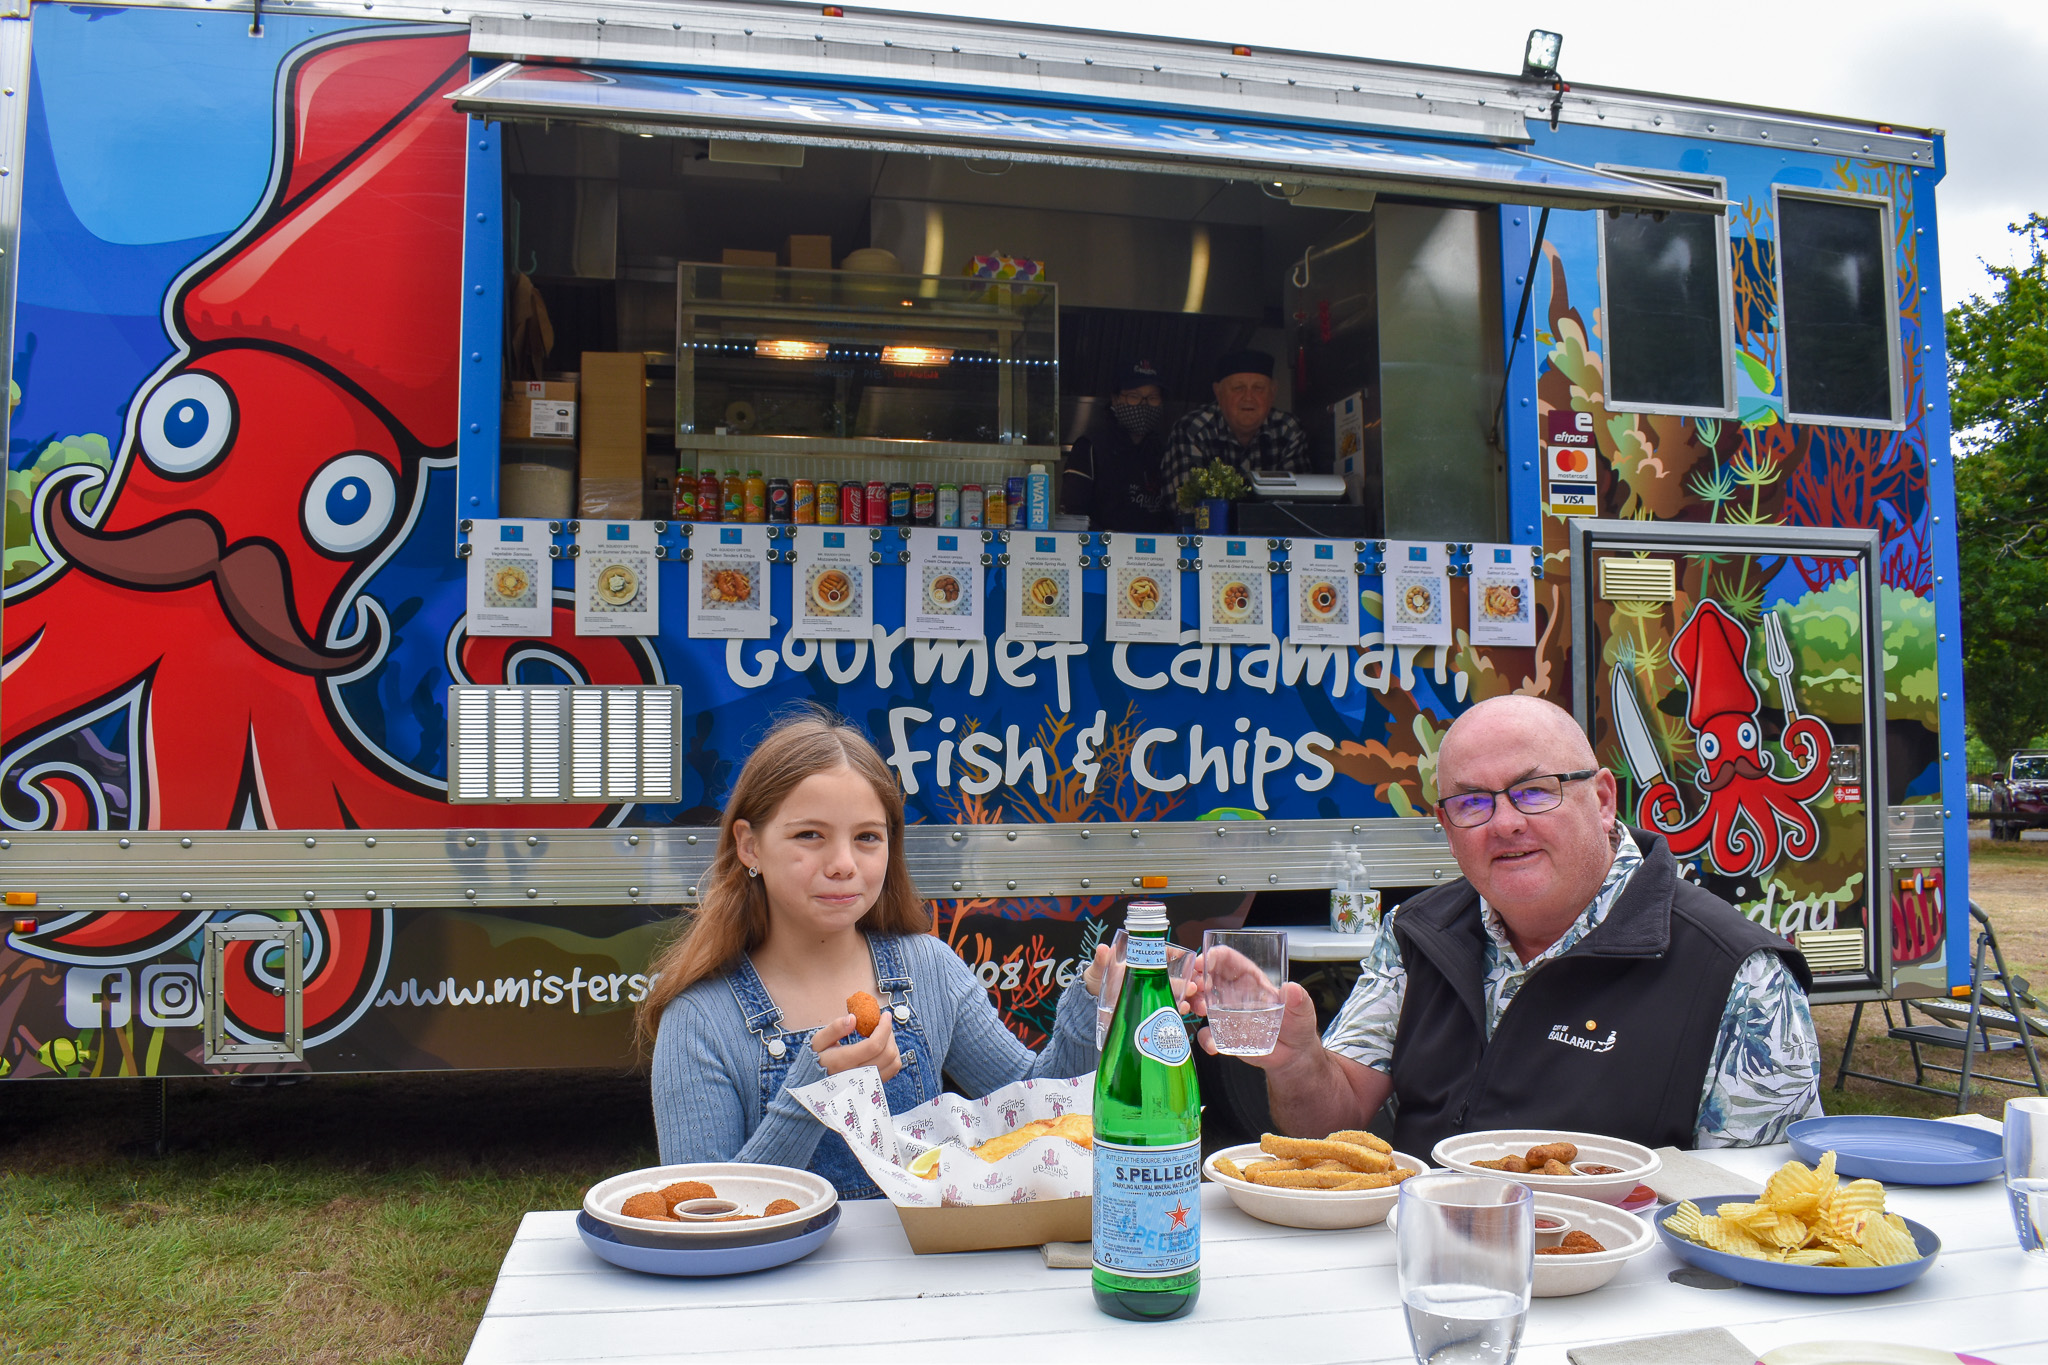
1038, 1193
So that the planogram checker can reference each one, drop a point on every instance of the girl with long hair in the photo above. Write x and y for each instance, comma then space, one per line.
807, 902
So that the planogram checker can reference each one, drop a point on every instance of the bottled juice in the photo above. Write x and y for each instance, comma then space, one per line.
755, 494
684, 507
995, 506
710, 495
1148, 1141
733, 498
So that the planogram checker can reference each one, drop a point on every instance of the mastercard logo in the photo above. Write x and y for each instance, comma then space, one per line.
1571, 461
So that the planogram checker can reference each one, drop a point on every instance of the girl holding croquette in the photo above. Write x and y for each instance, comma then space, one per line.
808, 902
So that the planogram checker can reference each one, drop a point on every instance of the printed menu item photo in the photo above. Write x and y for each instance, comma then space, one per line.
1042, 586
729, 583
834, 578
1415, 593
509, 579
942, 591
1323, 593
1236, 590
1503, 587
617, 592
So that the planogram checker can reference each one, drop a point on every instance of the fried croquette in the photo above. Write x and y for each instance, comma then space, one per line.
1552, 1151
647, 1205
675, 1194
1575, 1243
1553, 1167
780, 1206
866, 1012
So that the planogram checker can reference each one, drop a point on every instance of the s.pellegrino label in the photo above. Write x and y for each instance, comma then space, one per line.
1148, 1142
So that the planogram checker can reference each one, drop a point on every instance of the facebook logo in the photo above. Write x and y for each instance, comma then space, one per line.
1045, 545
730, 536
1418, 554
508, 533
1326, 552
835, 540
618, 532
949, 542
97, 997
1147, 546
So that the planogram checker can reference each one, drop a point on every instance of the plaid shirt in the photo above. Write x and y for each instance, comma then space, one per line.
1765, 1071
1203, 435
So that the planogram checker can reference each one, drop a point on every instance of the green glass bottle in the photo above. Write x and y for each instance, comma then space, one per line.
1148, 1141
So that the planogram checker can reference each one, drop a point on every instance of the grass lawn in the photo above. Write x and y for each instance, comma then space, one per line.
362, 1219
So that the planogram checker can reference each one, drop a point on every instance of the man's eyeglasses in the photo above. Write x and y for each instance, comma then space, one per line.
1531, 796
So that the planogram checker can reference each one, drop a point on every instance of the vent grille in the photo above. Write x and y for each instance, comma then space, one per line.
1832, 951
583, 744
1638, 580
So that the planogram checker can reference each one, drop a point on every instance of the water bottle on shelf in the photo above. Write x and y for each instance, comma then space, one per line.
1148, 1141
1038, 499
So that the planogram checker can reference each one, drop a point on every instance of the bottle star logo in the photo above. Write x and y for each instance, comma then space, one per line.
1179, 1215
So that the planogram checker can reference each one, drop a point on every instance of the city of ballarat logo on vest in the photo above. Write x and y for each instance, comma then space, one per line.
1588, 1041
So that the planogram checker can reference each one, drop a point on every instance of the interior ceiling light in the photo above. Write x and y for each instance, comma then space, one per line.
916, 355
791, 350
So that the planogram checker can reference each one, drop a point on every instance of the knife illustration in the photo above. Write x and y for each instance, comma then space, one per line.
1634, 732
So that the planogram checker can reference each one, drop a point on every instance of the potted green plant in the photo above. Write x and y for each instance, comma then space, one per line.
1207, 493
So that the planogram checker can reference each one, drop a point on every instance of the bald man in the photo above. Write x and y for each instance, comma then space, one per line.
1570, 979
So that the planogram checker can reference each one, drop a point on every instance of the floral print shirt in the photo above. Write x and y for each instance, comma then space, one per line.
1765, 1071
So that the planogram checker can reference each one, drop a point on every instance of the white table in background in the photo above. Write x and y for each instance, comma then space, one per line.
1269, 1294
1306, 944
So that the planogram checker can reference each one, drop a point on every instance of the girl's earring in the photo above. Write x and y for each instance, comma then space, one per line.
753, 871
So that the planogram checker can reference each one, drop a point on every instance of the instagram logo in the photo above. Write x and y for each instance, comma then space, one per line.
170, 995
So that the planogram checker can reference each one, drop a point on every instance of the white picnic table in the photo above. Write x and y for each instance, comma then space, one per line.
1268, 1294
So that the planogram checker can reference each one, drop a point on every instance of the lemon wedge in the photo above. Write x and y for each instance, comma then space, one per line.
925, 1165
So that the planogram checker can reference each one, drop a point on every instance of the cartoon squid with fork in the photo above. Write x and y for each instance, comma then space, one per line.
1750, 813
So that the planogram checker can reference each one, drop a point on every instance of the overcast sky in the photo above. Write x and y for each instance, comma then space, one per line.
1973, 68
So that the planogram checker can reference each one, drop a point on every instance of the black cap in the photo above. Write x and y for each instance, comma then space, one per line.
1136, 374
1244, 362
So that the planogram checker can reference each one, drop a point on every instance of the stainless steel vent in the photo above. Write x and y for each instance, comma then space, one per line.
581, 744
1831, 951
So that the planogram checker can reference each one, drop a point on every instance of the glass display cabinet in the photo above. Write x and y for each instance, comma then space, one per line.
843, 375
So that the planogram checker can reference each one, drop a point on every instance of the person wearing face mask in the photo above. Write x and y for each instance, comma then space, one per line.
1113, 473
1240, 428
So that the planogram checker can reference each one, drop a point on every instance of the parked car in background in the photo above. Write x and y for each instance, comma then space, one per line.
2019, 795
1979, 797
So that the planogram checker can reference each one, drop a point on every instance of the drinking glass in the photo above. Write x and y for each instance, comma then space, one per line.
1465, 1252
1242, 973
2026, 1172
1178, 960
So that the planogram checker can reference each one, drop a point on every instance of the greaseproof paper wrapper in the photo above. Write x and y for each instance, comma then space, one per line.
853, 1105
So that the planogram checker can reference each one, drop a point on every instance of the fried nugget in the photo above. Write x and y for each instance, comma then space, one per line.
1552, 1151
1575, 1243
1513, 1165
647, 1205
1552, 1167
675, 1194
1319, 1149
780, 1206
866, 1012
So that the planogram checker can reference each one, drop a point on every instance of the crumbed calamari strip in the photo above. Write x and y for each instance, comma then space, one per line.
1358, 1137
1331, 1180
1319, 1149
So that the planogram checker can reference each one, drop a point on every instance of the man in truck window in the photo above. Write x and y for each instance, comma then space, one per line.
1240, 428
1570, 979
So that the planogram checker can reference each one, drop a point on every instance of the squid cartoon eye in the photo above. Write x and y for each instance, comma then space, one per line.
349, 503
186, 423
1710, 748
1745, 734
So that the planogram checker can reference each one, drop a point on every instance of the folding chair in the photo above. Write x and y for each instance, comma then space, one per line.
1971, 1030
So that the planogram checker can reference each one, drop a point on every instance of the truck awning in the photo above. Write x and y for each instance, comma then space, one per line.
712, 105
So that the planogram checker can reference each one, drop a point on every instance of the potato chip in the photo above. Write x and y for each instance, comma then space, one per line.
1886, 1244
1728, 1237
1814, 1256
1794, 1188
1685, 1221
1864, 1196
1804, 1217
1856, 1258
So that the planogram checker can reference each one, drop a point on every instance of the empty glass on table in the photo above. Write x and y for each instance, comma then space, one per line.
2026, 1172
1465, 1255
1243, 971
1178, 961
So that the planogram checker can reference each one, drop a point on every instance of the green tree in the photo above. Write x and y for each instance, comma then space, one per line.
1998, 397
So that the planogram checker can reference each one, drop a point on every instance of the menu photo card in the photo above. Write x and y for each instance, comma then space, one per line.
942, 592
832, 592
1416, 593
1503, 587
1143, 590
1322, 593
510, 583
1042, 586
617, 592
729, 583
1237, 596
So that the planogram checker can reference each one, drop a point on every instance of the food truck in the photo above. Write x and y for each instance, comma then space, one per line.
379, 653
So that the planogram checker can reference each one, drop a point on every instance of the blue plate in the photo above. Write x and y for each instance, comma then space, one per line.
1900, 1151
703, 1261
1799, 1279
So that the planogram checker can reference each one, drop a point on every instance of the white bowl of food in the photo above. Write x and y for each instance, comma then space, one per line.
1595, 1167
1306, 1208
711, 1204
1567, 1270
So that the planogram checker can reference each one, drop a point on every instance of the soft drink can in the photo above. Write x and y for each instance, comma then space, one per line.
853, 504
780, 506
899, 504
805, 507
970, 504
949, 505
878, 503
995, 507
828, 503
924, 505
